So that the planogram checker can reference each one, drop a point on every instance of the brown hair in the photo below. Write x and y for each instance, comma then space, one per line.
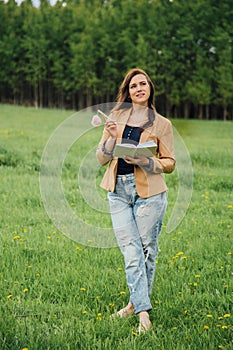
123, 94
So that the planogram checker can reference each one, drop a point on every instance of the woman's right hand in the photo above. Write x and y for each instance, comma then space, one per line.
111, 128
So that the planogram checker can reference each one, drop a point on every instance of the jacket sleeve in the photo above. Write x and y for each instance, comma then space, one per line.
165, 160
100, 155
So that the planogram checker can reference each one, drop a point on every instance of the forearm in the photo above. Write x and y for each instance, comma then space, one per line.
105, 150
164, 165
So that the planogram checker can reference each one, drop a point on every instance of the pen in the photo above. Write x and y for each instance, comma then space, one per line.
106, 118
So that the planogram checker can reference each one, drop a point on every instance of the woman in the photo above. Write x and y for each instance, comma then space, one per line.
136, 187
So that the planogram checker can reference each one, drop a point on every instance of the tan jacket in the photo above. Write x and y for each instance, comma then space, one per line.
147, 183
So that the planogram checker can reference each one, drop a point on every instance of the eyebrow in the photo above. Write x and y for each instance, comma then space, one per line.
142, 81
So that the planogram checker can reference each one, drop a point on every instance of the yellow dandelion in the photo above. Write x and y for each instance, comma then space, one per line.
37, 275
224, 327
180, 253
98, 296
111, 304
9, 296
229, 253
209, 315
206, 327
134, 333
230, 206
29, 266
197, 276
25, 349
99, 316
25, 290
90, 240
78, 248
48, 237
195, 284
25, 230
119, 269
122, 293
83, 289
220, 318
220, 347
227, 315
16, 237
84, 312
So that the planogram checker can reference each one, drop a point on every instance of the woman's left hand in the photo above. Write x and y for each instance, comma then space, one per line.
138, 160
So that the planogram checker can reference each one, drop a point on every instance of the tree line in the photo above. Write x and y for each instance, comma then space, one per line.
75, 54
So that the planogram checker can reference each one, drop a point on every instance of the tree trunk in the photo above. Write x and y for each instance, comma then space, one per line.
224, 112
200, 112
41, 94
80, 100
36, 95
207, 112
186, 110
89, 98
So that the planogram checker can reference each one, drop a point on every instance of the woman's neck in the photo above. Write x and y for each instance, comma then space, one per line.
139, 115
139, 109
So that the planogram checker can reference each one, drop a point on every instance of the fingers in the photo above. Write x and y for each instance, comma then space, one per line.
110, 123
138, 160
130, 160
111, 127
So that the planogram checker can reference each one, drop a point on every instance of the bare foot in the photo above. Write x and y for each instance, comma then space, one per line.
125, 312
144, 322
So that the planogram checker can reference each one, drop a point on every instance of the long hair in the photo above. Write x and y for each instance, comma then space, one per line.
125, 101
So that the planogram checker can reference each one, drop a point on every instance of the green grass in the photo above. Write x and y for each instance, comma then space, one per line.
57, 293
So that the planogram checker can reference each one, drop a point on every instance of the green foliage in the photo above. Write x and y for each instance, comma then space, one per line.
75, 54
58, 294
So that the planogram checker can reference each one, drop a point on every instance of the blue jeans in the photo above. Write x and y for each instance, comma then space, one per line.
137, 223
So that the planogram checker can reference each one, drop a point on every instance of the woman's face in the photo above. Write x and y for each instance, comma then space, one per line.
139, 90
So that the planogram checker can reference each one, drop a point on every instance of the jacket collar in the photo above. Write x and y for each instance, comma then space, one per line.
122, 120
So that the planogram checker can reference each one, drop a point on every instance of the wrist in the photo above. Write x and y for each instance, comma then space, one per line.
149, 168
107, 150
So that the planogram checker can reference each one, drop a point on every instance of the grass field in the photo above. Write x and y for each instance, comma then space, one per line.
58, 293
